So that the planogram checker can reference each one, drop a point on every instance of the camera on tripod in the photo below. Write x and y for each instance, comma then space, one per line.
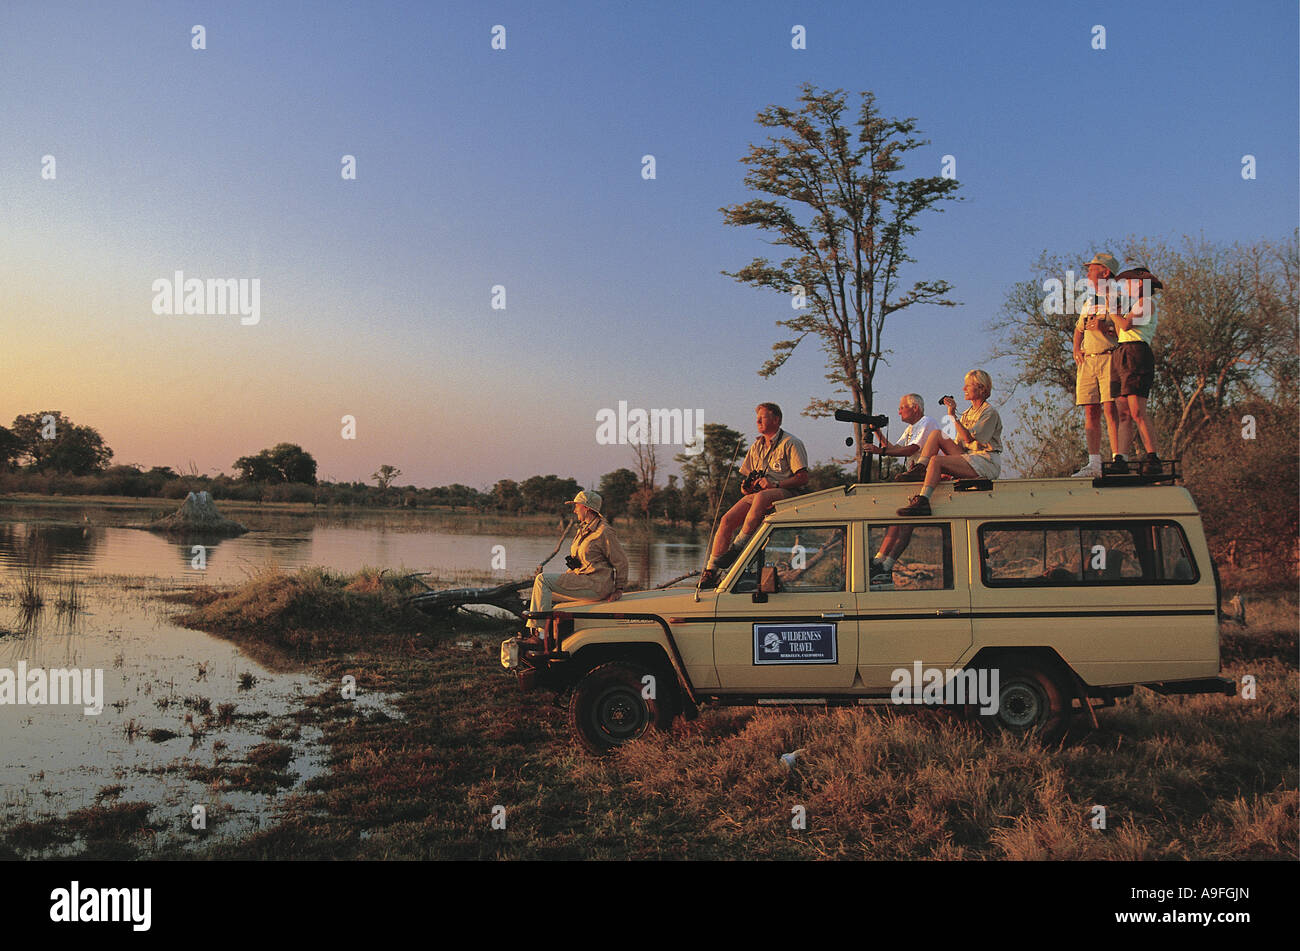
871, 422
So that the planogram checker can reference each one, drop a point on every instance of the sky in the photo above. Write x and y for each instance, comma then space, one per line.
521, 168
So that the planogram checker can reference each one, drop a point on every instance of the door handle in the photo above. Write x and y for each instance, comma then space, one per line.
833, 615
947, 612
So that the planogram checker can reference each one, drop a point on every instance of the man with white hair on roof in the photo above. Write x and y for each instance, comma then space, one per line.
598, 566
911, 410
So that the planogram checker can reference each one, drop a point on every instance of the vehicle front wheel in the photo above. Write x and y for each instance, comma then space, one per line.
614, 704
1029, 699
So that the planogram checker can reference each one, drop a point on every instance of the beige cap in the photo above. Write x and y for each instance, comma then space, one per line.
1106, 260
590, 499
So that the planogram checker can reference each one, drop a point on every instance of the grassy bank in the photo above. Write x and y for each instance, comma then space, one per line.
1180, 777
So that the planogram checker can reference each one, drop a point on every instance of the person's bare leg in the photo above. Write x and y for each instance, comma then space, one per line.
956, 466
1092, 427
1125, 426
730, 524
760, 505
936, 443
1112, 426
1137, 407
896, 541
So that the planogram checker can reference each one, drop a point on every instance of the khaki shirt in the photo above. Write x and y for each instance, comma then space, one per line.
604, 563
1099, 335
985, 426
781, 460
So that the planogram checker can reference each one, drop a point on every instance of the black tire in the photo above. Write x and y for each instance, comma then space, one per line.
607, 708
1031, 699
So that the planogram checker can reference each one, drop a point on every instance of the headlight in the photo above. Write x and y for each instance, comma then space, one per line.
510, 653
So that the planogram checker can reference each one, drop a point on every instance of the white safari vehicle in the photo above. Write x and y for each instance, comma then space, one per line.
1016, 600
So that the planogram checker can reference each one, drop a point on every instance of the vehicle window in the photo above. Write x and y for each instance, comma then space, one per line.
922, 553
807, 558
1085, 553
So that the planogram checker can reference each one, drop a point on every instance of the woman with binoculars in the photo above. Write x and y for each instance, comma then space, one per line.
598, 566
976, 453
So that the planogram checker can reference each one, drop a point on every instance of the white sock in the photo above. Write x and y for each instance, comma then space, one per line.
1094, 460
888, 563
739, 541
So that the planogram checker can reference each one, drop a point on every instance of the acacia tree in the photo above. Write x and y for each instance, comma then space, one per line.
51, 441
860, 212
385, 476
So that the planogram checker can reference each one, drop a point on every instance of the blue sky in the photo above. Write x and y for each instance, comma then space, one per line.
521, 167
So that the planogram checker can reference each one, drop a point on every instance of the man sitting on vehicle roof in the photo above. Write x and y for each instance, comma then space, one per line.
775, 468
911, 410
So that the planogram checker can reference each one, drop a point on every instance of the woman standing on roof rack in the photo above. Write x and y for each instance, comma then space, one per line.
1133, 367
976, 453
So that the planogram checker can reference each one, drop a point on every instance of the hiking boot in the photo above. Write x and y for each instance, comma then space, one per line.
881, 577
1119, 466
914, 474
1152, 465
1089, 471
919, 505
709, 578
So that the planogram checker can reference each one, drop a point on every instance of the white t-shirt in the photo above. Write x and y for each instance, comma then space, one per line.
918, 432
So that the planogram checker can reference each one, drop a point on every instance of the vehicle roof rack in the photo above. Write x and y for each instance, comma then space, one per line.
973, 485
1136, 473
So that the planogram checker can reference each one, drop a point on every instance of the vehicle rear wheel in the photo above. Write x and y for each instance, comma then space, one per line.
608, 707
1030, 699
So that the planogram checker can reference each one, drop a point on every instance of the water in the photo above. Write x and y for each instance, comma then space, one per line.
58, 759
110, 550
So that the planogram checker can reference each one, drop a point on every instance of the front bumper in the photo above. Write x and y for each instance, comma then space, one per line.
534, 658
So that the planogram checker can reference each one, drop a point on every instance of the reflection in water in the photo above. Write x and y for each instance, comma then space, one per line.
46, 545
127, 551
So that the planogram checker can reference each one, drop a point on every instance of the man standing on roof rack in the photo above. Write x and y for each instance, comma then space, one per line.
775, 468
1094, 339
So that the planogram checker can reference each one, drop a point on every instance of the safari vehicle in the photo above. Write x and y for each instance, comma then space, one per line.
1069, 591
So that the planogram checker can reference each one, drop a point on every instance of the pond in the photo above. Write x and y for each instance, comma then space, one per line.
185, 716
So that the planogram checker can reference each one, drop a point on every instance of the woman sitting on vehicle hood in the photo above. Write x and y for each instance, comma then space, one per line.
598, 567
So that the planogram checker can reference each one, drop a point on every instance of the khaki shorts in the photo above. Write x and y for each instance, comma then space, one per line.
987, 465
1093, 379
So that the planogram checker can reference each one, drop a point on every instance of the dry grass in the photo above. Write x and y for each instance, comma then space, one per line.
1199, 777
